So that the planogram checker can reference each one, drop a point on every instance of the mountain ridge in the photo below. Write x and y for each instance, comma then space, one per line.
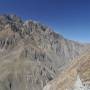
32, 54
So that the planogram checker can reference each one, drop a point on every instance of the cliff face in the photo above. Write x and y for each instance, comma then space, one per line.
31, 54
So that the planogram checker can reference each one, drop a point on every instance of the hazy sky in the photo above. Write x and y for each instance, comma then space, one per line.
71, 18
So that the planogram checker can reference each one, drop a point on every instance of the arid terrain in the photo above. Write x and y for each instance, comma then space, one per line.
34, 57
75, 77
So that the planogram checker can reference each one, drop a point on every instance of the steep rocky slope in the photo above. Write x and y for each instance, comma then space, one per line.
31, 54
75, 77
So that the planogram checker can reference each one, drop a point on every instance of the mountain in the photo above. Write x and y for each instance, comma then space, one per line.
31, 54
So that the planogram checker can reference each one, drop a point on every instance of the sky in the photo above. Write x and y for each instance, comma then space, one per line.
71, 18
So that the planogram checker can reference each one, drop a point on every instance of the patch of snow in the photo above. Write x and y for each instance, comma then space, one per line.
79, 85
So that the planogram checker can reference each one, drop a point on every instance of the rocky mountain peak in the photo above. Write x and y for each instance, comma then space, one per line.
16, 24
10, 17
